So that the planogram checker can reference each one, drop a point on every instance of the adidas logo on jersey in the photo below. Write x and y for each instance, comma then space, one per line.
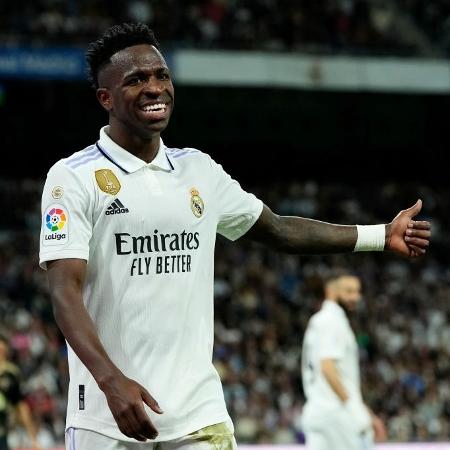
116, 207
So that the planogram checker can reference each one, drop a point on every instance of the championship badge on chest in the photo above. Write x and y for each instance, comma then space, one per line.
107, 181
197, 204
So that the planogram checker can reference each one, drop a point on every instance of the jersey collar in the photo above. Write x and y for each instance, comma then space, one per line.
330, 304
128, 162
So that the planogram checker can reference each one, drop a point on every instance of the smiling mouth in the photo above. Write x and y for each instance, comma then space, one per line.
159, 107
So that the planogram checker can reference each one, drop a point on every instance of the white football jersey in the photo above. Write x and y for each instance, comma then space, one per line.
147, 232
329, 335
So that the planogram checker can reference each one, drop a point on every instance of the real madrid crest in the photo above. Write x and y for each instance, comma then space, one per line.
197, 204
107, 181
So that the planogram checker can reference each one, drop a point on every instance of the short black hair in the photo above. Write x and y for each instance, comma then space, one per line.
114, 39
337, 273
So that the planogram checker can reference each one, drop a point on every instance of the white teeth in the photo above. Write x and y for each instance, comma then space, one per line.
154, 107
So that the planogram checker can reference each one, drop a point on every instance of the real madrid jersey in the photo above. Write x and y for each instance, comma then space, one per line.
147, 232
329, 336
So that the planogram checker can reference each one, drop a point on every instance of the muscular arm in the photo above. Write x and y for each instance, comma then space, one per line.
307, 236
66, 279
331, 374
125, 396
302, 236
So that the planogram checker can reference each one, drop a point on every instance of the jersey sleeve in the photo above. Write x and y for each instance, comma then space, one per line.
66, 223
237, 209
331, 343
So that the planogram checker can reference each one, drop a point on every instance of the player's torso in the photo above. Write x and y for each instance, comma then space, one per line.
315, 385
152, 221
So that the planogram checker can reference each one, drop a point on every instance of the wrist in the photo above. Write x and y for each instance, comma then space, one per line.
387, 237
371, 238
107, 378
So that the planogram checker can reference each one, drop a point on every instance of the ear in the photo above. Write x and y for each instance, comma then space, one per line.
105, 98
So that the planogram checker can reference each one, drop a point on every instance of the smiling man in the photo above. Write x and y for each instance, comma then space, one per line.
128, 234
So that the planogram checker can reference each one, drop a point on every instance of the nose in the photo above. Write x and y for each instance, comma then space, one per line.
154, 87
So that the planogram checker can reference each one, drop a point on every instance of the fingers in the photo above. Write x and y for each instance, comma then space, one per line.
145, 426
150, 401
127, 425
418, 242
134, 422
416, 251
415, 209
424, 234
419, 225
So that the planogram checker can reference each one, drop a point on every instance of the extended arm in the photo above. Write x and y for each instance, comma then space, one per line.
125, 396
306, 236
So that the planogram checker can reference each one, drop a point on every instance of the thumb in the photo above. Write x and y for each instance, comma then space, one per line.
150, 401
415, 209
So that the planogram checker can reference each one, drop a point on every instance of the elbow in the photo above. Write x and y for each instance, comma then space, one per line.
280, 236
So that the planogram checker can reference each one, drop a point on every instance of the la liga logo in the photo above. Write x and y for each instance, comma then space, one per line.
55, 225
56, 219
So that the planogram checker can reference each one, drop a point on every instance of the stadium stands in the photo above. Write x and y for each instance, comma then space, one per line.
413, 27
263, 301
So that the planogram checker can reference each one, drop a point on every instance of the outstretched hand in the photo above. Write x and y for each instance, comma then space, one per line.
406, 236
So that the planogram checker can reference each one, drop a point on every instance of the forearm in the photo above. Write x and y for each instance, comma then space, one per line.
27, 421
308, 236
79, 331
299, 235
333, 378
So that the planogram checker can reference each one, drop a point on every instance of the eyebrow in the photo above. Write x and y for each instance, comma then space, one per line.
135, 72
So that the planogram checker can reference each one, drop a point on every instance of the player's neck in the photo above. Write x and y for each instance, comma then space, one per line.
143, 148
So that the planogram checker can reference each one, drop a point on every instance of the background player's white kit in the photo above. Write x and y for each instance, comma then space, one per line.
325, 419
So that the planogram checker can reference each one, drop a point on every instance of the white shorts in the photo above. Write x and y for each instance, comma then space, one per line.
335, 430
213, 437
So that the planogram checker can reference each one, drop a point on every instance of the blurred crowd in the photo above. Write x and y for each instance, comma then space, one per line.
262, 302
403, 27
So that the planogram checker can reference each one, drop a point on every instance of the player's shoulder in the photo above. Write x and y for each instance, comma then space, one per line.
185, 155
325, 318
194, 159
78, 162
191, 160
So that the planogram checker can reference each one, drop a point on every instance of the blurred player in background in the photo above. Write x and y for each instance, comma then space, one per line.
335, 416
128, 235
11, 399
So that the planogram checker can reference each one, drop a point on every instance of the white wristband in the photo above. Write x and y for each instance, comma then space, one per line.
371, 238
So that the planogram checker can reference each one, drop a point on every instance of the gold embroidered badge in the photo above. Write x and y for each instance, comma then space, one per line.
197, 204
107, 181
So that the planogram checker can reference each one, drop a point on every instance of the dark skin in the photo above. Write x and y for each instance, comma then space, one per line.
138, 76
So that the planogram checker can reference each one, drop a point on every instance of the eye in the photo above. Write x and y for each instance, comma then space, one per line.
164, 76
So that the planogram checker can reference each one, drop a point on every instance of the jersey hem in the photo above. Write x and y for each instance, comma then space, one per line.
246, 227
165, 434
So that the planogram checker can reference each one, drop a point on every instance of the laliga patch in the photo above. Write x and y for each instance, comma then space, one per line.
107, 181
197, 204
55, 226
